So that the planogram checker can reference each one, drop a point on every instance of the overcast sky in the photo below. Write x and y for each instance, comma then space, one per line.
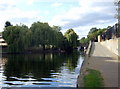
81, 15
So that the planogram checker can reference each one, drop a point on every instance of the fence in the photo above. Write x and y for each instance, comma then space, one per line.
111, 33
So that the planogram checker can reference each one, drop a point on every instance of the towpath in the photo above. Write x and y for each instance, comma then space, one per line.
106, 62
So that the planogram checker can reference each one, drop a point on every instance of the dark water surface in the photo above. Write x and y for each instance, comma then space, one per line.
40, 70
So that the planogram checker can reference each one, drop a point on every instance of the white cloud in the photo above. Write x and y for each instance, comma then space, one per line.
87, 14
5, 4
53, 0
10, 2
56, 4
11, 13
30, 2
81, 18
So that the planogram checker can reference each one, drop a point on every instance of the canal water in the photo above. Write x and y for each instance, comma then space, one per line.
40, 70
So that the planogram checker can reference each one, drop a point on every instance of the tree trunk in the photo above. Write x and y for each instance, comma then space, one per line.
43, 47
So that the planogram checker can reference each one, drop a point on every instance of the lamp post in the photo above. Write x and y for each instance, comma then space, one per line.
119, 18
117, 2
119, 12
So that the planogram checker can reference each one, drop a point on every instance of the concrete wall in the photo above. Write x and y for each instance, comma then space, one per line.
113, 45
89, 48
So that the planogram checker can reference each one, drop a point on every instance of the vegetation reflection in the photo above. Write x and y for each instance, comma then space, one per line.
38, 66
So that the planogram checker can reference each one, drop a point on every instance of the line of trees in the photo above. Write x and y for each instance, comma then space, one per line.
92, 35
40, 35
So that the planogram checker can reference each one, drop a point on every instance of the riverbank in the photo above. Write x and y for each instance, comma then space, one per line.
37, 50
34, 51
102, 60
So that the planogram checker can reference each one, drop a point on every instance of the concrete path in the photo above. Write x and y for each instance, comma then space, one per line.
106, 62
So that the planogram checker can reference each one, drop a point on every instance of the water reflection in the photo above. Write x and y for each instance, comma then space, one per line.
40, 70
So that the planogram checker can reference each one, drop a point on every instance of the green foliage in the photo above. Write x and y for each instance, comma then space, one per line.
117, 2
93, 79
43, 34
40, 35
17, 38
7, 23
56, 28
92, 35
72, 38
0, 33
94, 32
118, 57
84, 41
57, 37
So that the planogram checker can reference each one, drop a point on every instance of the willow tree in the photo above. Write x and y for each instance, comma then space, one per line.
8, 23
58, 37
17, 38
72, 38
41, 34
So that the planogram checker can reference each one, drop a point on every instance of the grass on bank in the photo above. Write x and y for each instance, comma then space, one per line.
118, 57
93, 79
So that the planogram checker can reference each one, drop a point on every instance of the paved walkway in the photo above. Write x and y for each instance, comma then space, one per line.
106, 62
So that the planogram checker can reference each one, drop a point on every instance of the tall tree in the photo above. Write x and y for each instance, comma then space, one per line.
7, 23
72, 38
58, 37
84, 41
56, 28
94, 32
17, 38
41, 33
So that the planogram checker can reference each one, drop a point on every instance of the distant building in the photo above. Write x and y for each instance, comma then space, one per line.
110, 33
2, 42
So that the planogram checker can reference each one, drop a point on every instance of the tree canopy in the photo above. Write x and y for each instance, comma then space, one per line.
7, 23
93, 35
72, 38
17, 38
39, 35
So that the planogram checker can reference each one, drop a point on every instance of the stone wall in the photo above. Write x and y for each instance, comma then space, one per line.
113, 45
